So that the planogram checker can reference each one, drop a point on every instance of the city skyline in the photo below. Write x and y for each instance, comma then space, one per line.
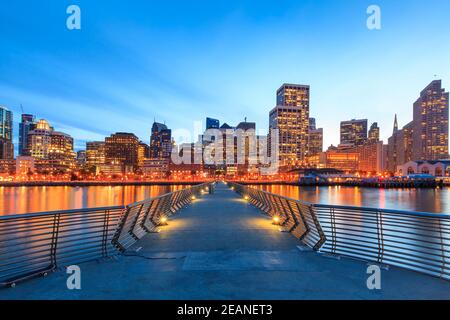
80, 144
118, 71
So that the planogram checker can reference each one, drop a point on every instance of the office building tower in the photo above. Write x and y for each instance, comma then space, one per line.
291, 120
430, 123
354, 132
27, 124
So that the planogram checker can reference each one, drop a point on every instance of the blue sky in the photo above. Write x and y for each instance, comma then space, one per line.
180, 61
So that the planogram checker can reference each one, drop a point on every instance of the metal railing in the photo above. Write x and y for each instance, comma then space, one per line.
143, 217
411, 240
38, 243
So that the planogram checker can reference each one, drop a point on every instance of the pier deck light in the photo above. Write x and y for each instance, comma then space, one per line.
276, 220
193, 198
163, 221
246, 198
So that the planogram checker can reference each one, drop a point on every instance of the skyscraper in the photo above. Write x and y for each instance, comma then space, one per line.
52, 150
95, 153
315, 141
291, 118
354, 132
27, 124
160, 141
121, 149
6, 134
374, 133
430, 123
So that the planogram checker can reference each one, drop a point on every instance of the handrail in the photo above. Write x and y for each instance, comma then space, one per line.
417, 241
38, 243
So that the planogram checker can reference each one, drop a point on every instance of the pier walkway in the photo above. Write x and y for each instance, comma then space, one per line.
221, 247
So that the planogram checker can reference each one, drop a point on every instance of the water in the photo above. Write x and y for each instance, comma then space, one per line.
16, 200
423, 200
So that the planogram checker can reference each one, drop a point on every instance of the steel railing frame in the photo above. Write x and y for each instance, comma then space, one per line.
38, 243
411, 240
143, 217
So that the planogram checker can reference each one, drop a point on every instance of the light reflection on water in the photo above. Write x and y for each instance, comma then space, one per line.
423, 200
15, 200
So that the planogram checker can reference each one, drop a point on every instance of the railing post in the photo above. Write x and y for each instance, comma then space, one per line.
115, 240
105, 234
380, 237
322, 237
54, 241
333, 231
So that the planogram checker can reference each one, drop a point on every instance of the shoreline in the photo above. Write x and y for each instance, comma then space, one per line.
95, 183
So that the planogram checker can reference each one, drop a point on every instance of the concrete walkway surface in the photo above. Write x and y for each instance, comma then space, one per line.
221, 247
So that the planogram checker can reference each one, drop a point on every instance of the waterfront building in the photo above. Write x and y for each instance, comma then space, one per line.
160, 141
7, 166
39, 140
291, 118
109, 169
95, 153
344, 158
315, 141
439, 168
368, 158
24, 165
371, 157
354, 132
143, 153
430, 123
6, 134
426, 137
27, 124
121, 149
156, 168
52, 150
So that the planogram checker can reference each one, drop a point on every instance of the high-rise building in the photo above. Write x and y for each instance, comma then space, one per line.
426, 137
52, 150
160, 141
315, 144
6, 134
121, 149
374, 133
291, 118
354, 132
312, 123
39, 140
6, 127
212, 123
27, 124
143, 153
95, 153
430, 123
